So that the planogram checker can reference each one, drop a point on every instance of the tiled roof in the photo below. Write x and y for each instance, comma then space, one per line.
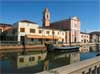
84, 33
27, 21
59, 21
3, 24
95, 32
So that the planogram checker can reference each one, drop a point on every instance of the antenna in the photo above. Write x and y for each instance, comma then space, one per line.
85, 30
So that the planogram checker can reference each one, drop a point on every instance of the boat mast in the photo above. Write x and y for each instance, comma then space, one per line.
70, 38
23, 44
53, 35
42, 35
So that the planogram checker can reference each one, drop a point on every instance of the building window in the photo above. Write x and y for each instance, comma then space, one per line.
39, 57
83, 72
31, 59
21, 59
58, 33
82, 40
32, 30
47, 32
82, 36
40, 31
32, 39
22, 29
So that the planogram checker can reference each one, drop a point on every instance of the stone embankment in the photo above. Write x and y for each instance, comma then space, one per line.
89, 66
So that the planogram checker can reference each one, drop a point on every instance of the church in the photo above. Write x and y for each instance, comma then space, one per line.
71, 26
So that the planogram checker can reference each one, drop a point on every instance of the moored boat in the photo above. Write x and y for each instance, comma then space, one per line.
53, 48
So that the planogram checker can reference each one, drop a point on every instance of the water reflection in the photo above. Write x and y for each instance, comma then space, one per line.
87, 48
30, 59
56, 59
33, 62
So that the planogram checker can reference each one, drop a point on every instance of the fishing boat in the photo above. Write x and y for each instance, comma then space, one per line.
53, 48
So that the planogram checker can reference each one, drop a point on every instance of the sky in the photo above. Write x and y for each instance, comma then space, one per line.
88, 11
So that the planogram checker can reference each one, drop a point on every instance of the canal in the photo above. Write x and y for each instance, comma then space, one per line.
38, 61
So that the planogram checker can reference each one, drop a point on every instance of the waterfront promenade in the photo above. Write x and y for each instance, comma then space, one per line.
89, 66
16, 47
19, 48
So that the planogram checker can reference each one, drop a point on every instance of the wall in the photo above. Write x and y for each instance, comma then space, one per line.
27, 27
75, 29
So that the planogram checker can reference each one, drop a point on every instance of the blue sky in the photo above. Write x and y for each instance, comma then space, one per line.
88, 11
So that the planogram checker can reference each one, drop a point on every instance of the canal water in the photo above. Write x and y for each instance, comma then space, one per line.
37, 61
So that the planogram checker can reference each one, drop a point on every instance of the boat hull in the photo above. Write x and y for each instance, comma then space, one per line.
52, 48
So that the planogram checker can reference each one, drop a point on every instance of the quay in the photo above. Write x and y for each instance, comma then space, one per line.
16, 47
89, 66
19, 48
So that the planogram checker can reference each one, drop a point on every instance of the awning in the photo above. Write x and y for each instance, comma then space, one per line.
42, 37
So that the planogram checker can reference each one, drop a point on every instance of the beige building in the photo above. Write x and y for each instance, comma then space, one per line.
95, 36
85, 37
33, 33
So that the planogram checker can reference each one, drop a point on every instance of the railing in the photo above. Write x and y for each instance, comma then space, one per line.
89, 66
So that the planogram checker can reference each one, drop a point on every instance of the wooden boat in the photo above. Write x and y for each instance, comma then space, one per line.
52, 48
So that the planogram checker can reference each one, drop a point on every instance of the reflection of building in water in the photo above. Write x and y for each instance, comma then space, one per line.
93, 48
95, 38
29, 60
60, 59
73, 57
84, 48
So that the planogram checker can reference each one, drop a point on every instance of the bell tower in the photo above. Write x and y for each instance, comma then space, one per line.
46, 18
